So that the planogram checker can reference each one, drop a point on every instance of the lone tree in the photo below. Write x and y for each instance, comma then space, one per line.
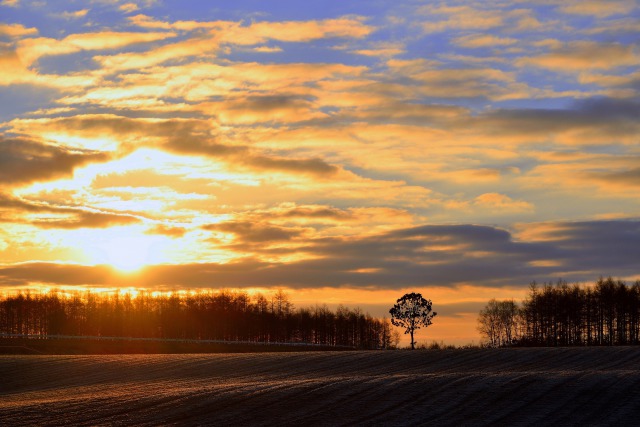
411, 312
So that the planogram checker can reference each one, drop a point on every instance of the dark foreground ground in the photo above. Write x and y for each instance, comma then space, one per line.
81, 345
532, 386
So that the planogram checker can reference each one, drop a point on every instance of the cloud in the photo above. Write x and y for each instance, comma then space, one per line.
626, 177
381, 49
324, 220
16, 30
423, 79
313, 212
588, 121
181, 136
170, 231
620, 86
484, 40
146, 21
599, 8
262, 31
266, 108
501, 203
197, 46
128, 7
251, 232
48, 216
16, 72
439, 255
87, 219
41, 272
227, 33
616, 26
584, 55
31, 49
23, 161
304, 31
74, 15
267, 49
460, 17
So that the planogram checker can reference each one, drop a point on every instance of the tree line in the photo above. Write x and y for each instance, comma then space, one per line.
212, 315
607, 313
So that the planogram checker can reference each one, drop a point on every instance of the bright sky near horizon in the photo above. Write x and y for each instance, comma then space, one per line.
346, 151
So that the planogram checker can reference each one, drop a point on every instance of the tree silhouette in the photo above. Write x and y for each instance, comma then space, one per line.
498, 322
206, 315
411, 312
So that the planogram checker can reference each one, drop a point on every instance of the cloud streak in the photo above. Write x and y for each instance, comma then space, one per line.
441, 256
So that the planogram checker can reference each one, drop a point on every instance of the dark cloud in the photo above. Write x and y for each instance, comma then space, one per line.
23, 161
70, 217
420, 256
616, 116
250, 232
315, 166
315, 212
243, 156
85, 219
629, 177
25, 274
194, 137
608, 248
267, 103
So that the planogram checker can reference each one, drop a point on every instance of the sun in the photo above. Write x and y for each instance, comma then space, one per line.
127, 249
128, 253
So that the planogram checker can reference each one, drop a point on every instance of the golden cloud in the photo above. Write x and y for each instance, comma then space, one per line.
75, 14
501, 203
16, 30
484, 40
128, 7
460, 17
599, 8
30, 50
584, 55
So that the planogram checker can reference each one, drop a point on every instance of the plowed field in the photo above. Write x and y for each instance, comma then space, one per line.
535, 386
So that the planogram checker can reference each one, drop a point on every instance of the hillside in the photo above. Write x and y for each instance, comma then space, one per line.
528, 386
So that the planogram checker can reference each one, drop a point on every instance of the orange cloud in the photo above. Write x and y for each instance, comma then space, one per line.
294, 31
16, 30
30, 50
484, 40
584, 55
500, 203
259, 32
75, 14
128, 7
599, 8
460, 17
180, 136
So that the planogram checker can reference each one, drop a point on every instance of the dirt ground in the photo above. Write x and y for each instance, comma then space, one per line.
532, 386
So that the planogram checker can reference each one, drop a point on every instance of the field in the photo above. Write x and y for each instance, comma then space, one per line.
532, 386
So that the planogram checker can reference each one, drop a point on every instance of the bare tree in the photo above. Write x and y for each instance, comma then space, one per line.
498, 322
411, 312
489, 323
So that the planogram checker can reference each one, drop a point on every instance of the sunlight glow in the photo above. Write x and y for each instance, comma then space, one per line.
126, 249
128, 253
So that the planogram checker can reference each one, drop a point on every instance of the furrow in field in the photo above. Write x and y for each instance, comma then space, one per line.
452, 387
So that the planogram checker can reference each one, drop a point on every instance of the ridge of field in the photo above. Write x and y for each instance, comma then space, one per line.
120, 345
521, 386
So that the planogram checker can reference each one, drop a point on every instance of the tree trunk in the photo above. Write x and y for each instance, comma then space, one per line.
413, 347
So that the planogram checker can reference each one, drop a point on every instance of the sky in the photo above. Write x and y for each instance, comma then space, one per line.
346, 152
